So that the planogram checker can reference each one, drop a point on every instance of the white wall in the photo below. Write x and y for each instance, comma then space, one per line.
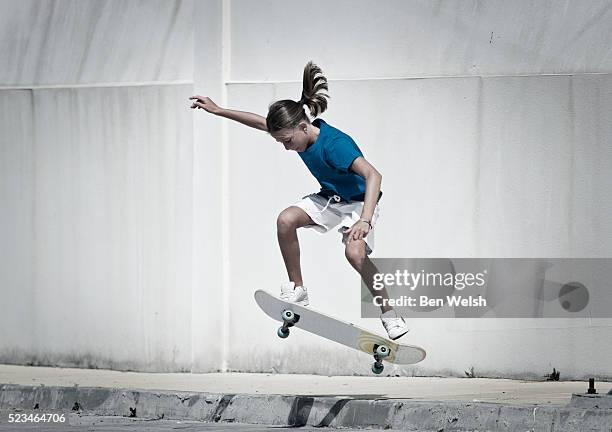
494, 140
396, 38
96, 154
86, 42
134, 231
498, 180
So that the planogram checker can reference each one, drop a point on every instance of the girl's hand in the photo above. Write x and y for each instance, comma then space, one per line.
358, 231
205, 103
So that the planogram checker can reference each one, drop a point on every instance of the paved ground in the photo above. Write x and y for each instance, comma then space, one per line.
228, 401
417, 388
115, 424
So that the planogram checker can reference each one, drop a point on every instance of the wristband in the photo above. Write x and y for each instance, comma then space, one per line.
366, 221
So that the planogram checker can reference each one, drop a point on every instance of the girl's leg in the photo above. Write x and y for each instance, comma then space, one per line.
289, 220
355, 253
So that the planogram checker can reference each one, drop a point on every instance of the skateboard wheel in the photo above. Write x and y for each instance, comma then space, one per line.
282, 332
382, 351
377, 368
288, 316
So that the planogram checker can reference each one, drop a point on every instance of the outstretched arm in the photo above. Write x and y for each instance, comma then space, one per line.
250, 119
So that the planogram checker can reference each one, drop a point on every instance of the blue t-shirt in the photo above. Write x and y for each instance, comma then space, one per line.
329, 159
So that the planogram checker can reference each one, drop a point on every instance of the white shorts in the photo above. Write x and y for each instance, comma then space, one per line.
328, 214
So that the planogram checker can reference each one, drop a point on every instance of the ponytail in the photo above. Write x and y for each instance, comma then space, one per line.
287, 114
314, 93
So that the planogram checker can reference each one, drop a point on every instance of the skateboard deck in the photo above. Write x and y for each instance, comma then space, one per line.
337, 330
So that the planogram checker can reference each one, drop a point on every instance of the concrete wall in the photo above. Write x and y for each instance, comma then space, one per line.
68, 42
490, 127
96, 183
395, 38
137, 231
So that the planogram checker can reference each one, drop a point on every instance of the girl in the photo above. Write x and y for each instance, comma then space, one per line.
350, 186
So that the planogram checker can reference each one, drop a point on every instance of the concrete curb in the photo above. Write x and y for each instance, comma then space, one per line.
597, 401
308, 410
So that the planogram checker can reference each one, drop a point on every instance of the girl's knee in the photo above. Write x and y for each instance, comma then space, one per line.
292, 218
286, 221
355, 251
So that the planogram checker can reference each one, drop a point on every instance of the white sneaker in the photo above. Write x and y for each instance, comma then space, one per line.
396, 326
293, 294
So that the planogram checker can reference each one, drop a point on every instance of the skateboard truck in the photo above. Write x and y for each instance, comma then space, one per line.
380, 352
289, 320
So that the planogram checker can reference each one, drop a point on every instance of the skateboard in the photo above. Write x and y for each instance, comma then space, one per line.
347, 334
